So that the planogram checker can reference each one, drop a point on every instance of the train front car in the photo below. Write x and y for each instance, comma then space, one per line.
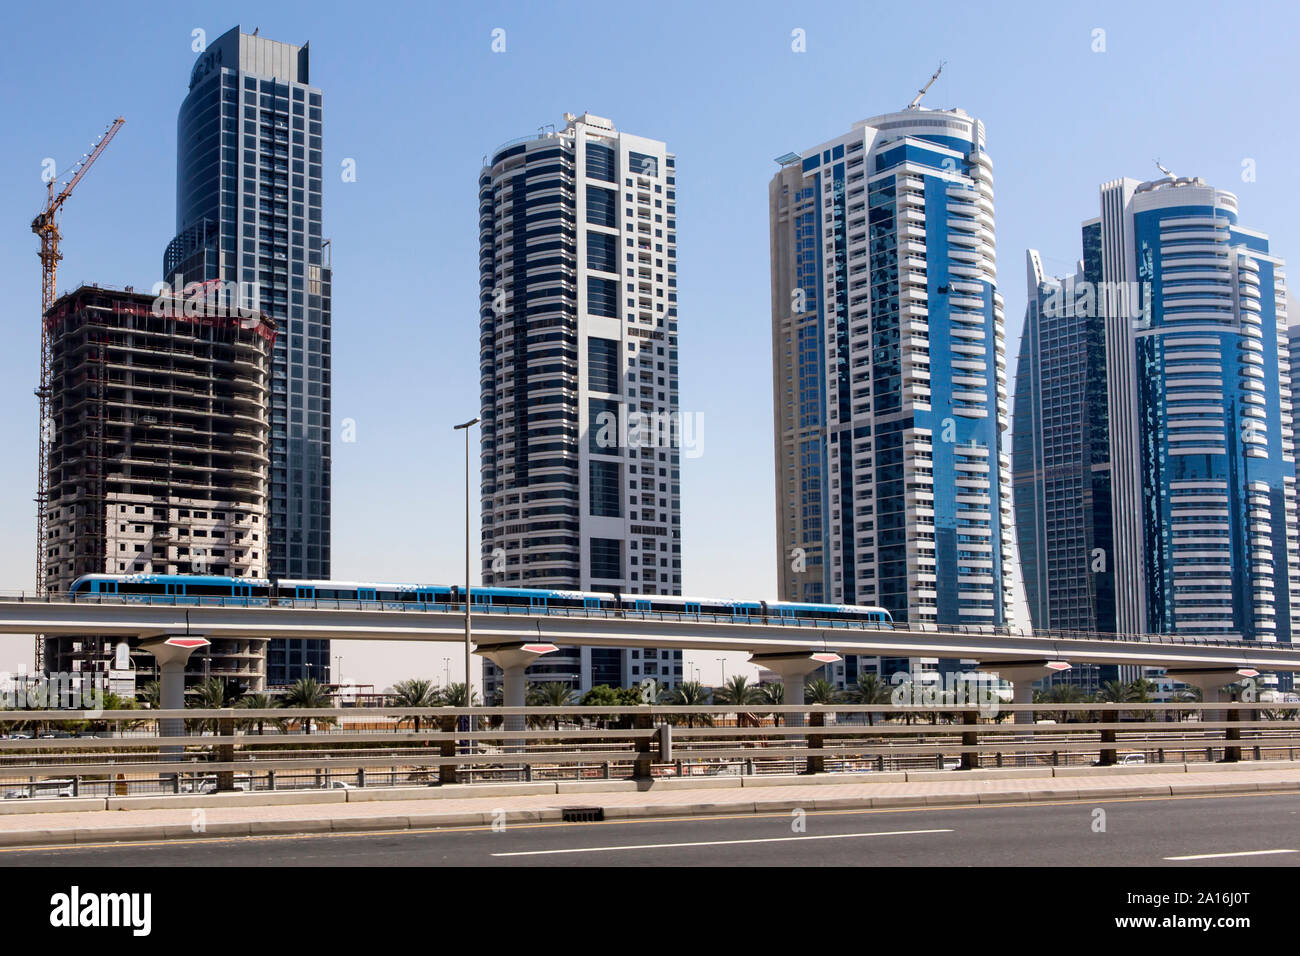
185, 589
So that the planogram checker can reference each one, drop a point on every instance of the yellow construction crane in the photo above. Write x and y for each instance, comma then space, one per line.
46, 226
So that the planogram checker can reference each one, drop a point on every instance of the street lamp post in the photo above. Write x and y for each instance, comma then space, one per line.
465, 427
723, 662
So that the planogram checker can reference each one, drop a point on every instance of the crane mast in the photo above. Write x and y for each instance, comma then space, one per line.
916, 100
46, 227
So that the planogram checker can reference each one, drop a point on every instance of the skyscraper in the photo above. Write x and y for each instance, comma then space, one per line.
1061, 461
1199, 393
248, 212
581, 433
893, 487
1061, 454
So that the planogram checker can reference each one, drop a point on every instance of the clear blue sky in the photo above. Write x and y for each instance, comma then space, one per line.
415, 95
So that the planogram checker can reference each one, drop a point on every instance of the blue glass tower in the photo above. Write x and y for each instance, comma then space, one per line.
1201, 437
890, 376
248, 213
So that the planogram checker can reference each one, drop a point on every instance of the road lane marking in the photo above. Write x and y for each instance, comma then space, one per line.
675, 846
1220, 856
693, 818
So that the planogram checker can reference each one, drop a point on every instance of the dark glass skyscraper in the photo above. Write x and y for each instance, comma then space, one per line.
248, 212
1061, 456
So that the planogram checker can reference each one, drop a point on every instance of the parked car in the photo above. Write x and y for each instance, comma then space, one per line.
209, 785
46, 789
1133, 759
337, 785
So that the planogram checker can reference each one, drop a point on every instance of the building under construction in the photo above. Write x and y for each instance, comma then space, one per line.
159, 457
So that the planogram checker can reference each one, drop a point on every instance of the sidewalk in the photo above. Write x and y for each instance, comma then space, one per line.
83, 821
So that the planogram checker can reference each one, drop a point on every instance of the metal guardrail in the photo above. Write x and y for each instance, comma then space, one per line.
328, 604
223, 751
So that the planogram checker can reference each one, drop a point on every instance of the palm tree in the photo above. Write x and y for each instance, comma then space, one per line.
1060, 693
1188, 695
738, 692
820, 691
1115, 692
415, 692
453, 695
150, 695
259, 702
870, 689
691, 693
308, 693
212, 694
553, 694
773, 694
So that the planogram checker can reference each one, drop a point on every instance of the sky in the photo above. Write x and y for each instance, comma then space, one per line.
415, 96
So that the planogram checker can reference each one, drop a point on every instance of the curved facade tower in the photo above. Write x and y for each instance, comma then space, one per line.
581, 434
1201, 417
894, 485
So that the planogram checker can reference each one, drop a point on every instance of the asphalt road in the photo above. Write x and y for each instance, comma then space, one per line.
1189, 832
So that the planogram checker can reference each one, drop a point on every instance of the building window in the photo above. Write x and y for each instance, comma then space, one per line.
602, 364
606, 558
602, 206
602, 297
606, 479
600, 162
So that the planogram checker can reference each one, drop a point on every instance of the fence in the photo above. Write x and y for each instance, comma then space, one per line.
75, 753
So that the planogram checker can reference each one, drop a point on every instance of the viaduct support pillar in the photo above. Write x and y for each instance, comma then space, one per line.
1212, 683
1022, 675
793, 669
172, 654
513, 659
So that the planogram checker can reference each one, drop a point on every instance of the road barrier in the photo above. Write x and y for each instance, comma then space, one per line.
120, 753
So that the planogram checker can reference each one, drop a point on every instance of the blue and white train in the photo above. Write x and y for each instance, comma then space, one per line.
259, 592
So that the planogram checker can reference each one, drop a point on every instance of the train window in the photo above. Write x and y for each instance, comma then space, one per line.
205, 589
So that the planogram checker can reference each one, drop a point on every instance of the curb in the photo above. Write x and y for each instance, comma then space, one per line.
83, 836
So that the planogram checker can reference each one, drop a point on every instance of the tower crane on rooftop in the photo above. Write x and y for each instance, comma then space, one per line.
46, 226
916, 100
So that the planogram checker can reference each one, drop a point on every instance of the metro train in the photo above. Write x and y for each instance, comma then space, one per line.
259, 592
